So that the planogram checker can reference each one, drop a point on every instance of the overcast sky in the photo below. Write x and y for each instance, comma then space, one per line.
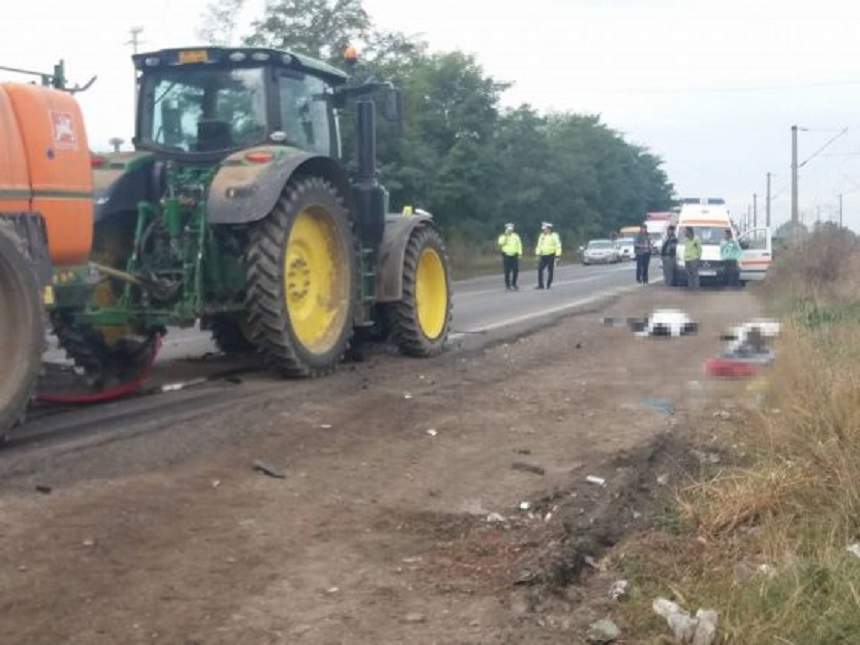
712, 87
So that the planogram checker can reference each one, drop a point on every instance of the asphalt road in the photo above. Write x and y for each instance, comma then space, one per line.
481, 305
197, 380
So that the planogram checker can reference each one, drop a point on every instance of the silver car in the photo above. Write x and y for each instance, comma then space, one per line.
601, 252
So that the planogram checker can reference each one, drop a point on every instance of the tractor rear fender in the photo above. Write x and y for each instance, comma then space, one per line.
247, 187
122, 180
392, 253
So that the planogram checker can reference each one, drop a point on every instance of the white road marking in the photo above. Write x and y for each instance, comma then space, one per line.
543, 312
558, 283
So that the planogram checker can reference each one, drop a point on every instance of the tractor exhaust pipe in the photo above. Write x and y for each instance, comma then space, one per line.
370, 197
365, 129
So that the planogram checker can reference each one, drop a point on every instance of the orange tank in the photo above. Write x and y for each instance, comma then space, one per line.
53, 155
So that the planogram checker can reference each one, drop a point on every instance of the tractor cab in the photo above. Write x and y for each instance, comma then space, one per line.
204, 104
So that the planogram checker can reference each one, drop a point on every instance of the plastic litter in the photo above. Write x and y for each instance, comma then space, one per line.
618, 589
599, 481
687, 630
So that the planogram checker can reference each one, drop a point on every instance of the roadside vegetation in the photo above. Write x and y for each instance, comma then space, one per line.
461, 154
764, 541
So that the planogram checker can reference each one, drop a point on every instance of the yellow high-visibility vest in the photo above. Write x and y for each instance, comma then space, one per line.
511, 244
549, 244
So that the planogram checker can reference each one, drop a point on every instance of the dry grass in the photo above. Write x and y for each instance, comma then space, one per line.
794, 505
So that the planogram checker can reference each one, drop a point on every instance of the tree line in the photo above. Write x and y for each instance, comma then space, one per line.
459, 153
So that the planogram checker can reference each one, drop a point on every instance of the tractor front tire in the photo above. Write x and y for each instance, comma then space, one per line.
302, 276
422, 319
22, 333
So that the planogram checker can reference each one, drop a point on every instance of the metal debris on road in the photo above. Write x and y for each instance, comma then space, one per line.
599, 481
525, 506
268, 469
528, 468
433, 432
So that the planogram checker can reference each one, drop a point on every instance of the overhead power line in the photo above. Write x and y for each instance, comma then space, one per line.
823, 148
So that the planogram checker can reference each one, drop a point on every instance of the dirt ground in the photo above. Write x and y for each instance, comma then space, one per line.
379, 531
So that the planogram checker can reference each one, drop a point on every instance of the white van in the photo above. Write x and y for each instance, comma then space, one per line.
709, 223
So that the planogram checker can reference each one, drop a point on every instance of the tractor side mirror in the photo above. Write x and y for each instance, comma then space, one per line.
392, 106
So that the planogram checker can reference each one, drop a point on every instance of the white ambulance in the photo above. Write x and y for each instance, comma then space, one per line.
709, 222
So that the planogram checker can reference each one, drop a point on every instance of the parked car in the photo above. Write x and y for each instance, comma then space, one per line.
601, 252
625, 246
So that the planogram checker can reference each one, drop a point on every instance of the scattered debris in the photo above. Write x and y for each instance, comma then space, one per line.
661, 405
42, 488
414, 618
216, 483
89, 542
599, 481
407, 396
495, 518
663, 479
524, 506
523, 451
663, 323
547, 517
268, 469
603, 631
766, 570
528, 468
177, 387
618, 589
432, 432
854, 549
701, 630
326, 426
22, 568
332, 590
706, 457
723, 414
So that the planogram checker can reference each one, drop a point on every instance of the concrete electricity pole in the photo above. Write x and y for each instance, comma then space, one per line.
755, 210
840, 210
135, 43
794, 214
767, 204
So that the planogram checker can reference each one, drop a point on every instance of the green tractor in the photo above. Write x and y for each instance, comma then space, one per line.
236, 212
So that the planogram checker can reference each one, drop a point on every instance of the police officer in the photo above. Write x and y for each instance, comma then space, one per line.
511, 247
548, 251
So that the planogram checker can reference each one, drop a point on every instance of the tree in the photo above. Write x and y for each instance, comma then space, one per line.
319, 28
219, 22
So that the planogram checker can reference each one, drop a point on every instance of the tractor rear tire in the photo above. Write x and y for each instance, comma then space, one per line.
302, 276
422, 319
231, 335
22, 335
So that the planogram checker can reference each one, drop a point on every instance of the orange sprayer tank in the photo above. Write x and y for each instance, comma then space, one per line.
56, 160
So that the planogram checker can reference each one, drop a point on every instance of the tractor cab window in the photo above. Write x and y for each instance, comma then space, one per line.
203, 110
305, 112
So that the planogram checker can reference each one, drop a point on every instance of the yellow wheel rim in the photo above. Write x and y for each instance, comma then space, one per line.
431, 294
316, 280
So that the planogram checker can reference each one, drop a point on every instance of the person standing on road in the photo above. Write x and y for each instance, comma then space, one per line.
511, 247
668, 252
692, 256
642, 250
730, 253
548, 251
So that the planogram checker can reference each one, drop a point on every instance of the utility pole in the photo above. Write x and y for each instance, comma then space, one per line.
794, 213
135, 43
755, 210
840, 210
767, 204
